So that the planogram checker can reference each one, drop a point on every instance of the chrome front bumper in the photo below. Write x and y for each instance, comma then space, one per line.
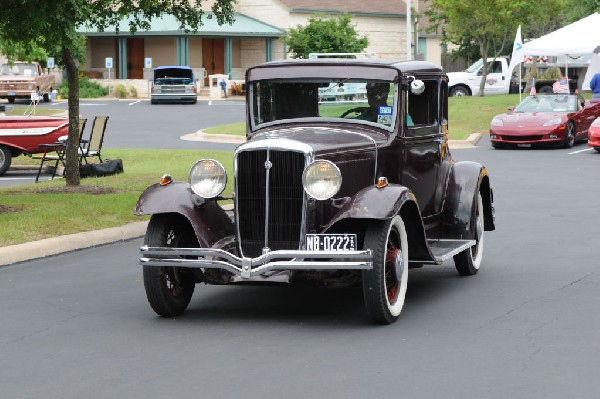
209, 258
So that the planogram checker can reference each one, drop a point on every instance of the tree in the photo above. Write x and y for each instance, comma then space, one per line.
52, 26
489, 23
325, 35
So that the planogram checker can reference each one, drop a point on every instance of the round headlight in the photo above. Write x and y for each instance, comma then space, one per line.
208, 178
322, 180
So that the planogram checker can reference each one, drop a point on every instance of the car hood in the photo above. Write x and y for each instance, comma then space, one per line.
524, 122
459, 75
322, 140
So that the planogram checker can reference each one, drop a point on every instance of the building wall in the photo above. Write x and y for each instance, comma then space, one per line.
195, 45
162, 50
103, 47
387, 35
434, 50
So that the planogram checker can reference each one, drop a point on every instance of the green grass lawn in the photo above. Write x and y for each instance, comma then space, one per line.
40, 210
22, 109
35, 211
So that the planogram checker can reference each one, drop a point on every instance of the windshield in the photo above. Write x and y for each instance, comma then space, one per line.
18, 69
475, 67
548, 103
351, 100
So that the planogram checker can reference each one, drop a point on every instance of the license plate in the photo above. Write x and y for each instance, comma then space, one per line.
11, 93
523, 145
331, 242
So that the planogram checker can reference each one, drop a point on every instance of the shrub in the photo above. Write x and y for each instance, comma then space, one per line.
133, 92
120, 91
87, 88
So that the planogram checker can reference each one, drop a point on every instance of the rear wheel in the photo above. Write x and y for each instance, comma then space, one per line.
384, 287
5, 159
468, 261
169, 289
597, 149
569, 135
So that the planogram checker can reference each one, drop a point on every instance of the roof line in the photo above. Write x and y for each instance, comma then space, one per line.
358, 13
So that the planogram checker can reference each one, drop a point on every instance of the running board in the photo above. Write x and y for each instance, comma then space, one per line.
443, 250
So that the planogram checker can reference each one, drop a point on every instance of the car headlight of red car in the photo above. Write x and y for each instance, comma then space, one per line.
497, 122
553, 122
596, 122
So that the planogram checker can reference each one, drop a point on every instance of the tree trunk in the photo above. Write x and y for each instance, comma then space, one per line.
484, 70
72, 157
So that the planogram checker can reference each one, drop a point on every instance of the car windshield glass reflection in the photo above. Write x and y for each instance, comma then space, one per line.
351, 100
548, 103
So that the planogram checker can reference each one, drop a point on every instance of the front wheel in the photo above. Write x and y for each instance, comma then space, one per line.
569, 135
384, 287
169, 289
468, 261
597, 149
459, 91
5, 159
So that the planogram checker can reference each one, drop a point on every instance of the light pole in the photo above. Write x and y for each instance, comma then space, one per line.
408, 31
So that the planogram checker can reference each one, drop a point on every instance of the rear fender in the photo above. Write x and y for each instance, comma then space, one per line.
207, 218
466, 180
384, 203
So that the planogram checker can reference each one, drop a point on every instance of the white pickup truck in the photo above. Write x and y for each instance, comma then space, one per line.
467, 83
499, 80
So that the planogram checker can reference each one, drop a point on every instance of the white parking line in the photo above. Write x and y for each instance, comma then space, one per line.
577, 152
210, 102
135, 102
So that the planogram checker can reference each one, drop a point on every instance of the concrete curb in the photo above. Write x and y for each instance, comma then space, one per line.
213, 138
71, 242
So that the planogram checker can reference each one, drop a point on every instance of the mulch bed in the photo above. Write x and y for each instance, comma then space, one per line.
77, 190
7, 209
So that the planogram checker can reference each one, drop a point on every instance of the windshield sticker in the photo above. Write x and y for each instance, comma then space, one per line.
384, 115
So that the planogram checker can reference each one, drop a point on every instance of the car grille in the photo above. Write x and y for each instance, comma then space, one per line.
285, 196
172, 89
522, 138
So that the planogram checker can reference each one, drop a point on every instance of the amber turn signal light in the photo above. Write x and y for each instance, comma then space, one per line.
381, 182
166, 179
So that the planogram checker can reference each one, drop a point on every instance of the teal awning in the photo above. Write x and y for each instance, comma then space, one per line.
243, 26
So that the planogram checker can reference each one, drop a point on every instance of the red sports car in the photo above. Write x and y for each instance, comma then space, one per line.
24, 134
594, 135
545, 119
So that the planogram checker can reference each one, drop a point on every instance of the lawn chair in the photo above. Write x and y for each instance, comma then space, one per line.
55, 152
92, 147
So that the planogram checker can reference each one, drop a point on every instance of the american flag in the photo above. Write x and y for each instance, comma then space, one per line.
561, 86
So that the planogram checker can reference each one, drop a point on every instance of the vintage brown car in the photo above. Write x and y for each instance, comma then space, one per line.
345, 179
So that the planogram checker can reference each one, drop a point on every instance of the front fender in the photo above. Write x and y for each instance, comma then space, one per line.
466, 180
384, 203
208, 219
375, 203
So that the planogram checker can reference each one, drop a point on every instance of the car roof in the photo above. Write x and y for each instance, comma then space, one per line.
341, 68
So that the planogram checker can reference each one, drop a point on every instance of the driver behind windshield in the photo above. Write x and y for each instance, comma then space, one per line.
377, 94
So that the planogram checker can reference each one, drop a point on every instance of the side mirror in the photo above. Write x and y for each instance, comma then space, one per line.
417, 87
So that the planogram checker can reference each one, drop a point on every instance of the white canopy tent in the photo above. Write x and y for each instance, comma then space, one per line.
579, 38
